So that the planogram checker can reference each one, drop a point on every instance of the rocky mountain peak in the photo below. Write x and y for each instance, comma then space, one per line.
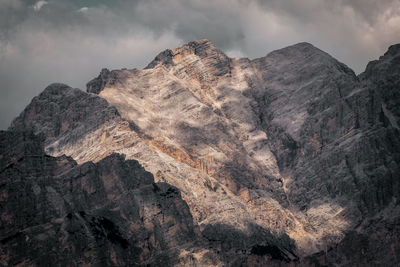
393, 50
202, 48
299, 51
389, 62
194, 53
56, 92
55, 89
285, 158
302, 49
305, 55
164, 58
97, 84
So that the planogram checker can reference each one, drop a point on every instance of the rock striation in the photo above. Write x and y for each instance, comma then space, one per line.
286, 159
109, 213
106, 214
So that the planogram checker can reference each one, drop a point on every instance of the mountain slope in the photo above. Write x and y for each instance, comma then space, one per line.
293, 144
108, 213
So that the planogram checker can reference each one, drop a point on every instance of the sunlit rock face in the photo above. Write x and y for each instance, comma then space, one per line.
286, 159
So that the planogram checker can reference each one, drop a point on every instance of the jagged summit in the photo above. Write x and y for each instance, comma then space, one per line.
387, 64
58, 90
97, 84
202, 48
193, 54
285, 158
393, 50
305, 55
299, 53
165, 58
65, 113
302, 47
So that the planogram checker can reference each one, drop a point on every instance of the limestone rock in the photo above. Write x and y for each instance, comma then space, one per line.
287, 158
109, 213
106, 214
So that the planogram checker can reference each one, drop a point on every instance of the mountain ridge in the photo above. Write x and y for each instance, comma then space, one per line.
244, 142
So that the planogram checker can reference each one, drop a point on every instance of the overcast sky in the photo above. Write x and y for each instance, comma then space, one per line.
70, 41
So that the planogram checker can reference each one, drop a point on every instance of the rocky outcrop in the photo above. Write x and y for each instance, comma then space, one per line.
337, 144
322, 136
111, 213
108, 213
65, 114
98, 84
290, 157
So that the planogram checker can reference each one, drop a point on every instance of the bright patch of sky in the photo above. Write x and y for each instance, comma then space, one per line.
88, 3
39, 5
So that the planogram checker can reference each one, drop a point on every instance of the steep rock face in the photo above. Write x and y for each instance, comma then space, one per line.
108, 213
337, 143
383, 74
321, 135
374, 243
63, 114
185, 142
111, 213
375, 161
293, 144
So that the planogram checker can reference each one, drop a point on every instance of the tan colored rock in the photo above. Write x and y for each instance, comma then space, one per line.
293, 143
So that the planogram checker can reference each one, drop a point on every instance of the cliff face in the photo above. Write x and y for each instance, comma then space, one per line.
108, 213
337, 144
289, 157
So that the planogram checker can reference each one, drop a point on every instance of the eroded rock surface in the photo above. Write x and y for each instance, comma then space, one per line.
109, 213
292, 148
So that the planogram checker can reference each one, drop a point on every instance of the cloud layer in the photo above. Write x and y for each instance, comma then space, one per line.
71, 40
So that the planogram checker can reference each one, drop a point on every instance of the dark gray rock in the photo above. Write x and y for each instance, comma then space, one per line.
61, 111
55, 212
335, 137
345, 147
97, 84
164, 58
328, 130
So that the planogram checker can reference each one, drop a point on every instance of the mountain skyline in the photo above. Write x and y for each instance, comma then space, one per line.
200, 159
67, 41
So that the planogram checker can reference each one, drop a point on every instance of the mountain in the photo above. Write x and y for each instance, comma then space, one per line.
201, 159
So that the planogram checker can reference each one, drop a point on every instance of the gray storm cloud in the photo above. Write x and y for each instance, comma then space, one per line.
71, 40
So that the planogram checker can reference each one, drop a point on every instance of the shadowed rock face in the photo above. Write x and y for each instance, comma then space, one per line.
289, 157
110, 213
332, 129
